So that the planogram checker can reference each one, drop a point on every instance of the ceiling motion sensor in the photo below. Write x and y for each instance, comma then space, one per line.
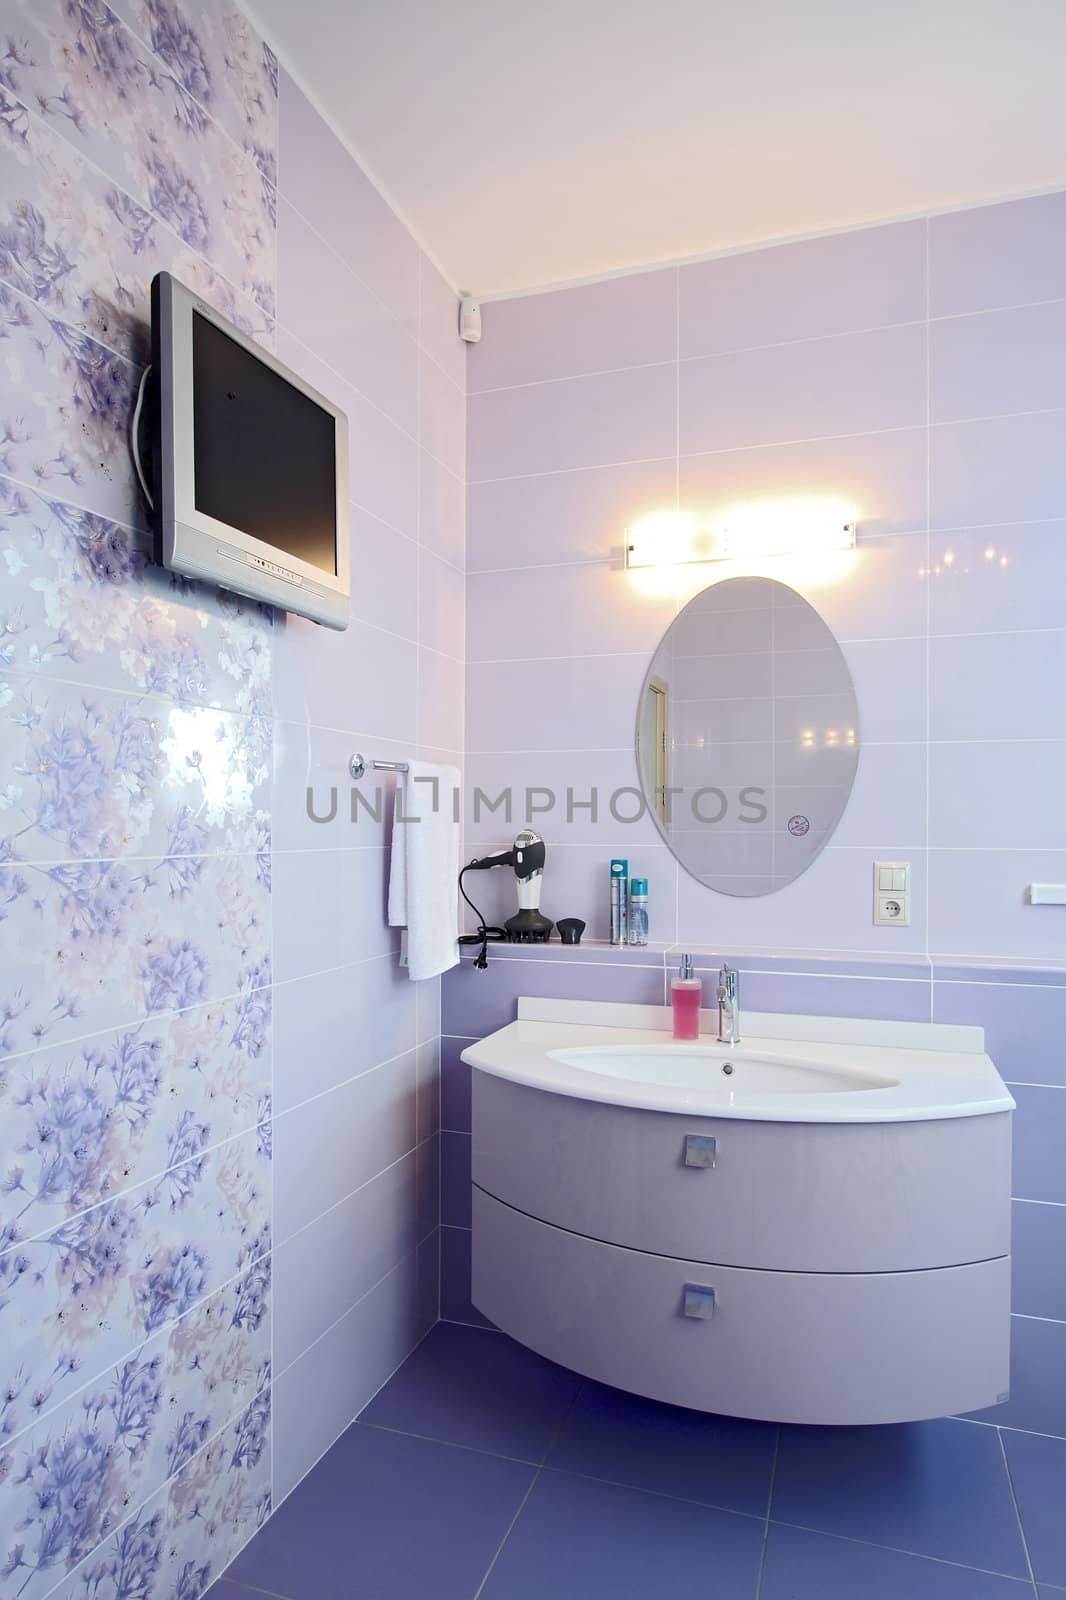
469, 319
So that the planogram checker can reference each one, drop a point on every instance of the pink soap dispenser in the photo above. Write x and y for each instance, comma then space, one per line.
686, 997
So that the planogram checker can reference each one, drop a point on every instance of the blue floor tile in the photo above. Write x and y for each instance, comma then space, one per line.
722, 1461
583, 1540
932, 1488
815, 1566
1038, 1468
387, 1517
468, 1386
1037, 1378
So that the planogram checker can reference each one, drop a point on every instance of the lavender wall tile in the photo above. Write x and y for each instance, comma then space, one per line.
577, 422
539, 786
318, 1046
317, 1398
882, 475
599, 692
438, 327
428, 1188
998, 361
857, 383
1039, 1131
982, 575
1002, 469
975, 680
326, 307
866, 278
985, 575
329, 908
890, 686
1025, 1026
455, 1086
316, 804
441, 702
473, 1008
881, 592
974, 891
363, 1238
428, 1086
895, 1001
441, 606
1038, 1251
629, 321
455, 1302
384, 588
442, 417
312, 1171
889, 797
455, 1180
580, 610
1004, 255
1020, 808
564, 517
323, 182
442, 511
364, 679
827, 908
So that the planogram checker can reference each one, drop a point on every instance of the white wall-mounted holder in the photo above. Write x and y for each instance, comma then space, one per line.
1047, 894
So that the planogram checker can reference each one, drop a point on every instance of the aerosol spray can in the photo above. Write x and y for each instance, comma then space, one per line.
619, 900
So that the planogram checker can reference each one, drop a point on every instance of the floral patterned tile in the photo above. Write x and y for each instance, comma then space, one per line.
81, 1123
82, 601
72, 1477
82, 70
95, 773
85, 250
174, 1547
67, 402
88, 946
216, 54
78, 1299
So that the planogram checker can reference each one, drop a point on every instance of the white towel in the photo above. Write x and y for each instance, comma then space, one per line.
424, 874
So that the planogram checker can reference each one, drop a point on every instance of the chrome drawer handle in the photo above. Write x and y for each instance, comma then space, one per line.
700, 1150
699, 1301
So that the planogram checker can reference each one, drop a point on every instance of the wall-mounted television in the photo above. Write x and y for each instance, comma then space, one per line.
250, 464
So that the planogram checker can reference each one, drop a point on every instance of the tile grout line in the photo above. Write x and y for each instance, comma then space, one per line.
769, 1509
1017, 1513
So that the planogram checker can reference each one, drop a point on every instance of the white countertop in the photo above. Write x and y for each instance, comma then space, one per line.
930, 1071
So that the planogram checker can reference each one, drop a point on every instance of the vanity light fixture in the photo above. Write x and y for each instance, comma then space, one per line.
776, 528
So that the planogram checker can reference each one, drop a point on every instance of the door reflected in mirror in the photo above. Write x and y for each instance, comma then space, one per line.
747, 736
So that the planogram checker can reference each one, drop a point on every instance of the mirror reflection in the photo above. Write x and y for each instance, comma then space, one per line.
747, 736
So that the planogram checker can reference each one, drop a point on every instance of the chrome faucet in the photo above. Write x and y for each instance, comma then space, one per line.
728, 1005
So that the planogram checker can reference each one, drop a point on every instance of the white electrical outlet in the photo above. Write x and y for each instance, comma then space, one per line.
892, 894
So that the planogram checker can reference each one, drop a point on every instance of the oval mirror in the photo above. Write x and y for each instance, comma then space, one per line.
747, 736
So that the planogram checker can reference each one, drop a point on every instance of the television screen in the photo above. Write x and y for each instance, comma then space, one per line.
249, 464
265, 457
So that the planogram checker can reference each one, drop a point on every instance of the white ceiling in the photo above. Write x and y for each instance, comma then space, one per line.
530, 142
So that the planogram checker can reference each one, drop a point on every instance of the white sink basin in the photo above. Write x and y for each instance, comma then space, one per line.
787, 1069
721, 1070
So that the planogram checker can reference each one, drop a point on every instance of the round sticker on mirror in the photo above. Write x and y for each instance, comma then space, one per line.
798, 826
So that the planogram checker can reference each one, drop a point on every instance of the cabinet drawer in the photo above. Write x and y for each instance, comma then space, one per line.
782, 1346
795, 1197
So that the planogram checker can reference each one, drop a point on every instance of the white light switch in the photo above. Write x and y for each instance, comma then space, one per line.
892, 893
